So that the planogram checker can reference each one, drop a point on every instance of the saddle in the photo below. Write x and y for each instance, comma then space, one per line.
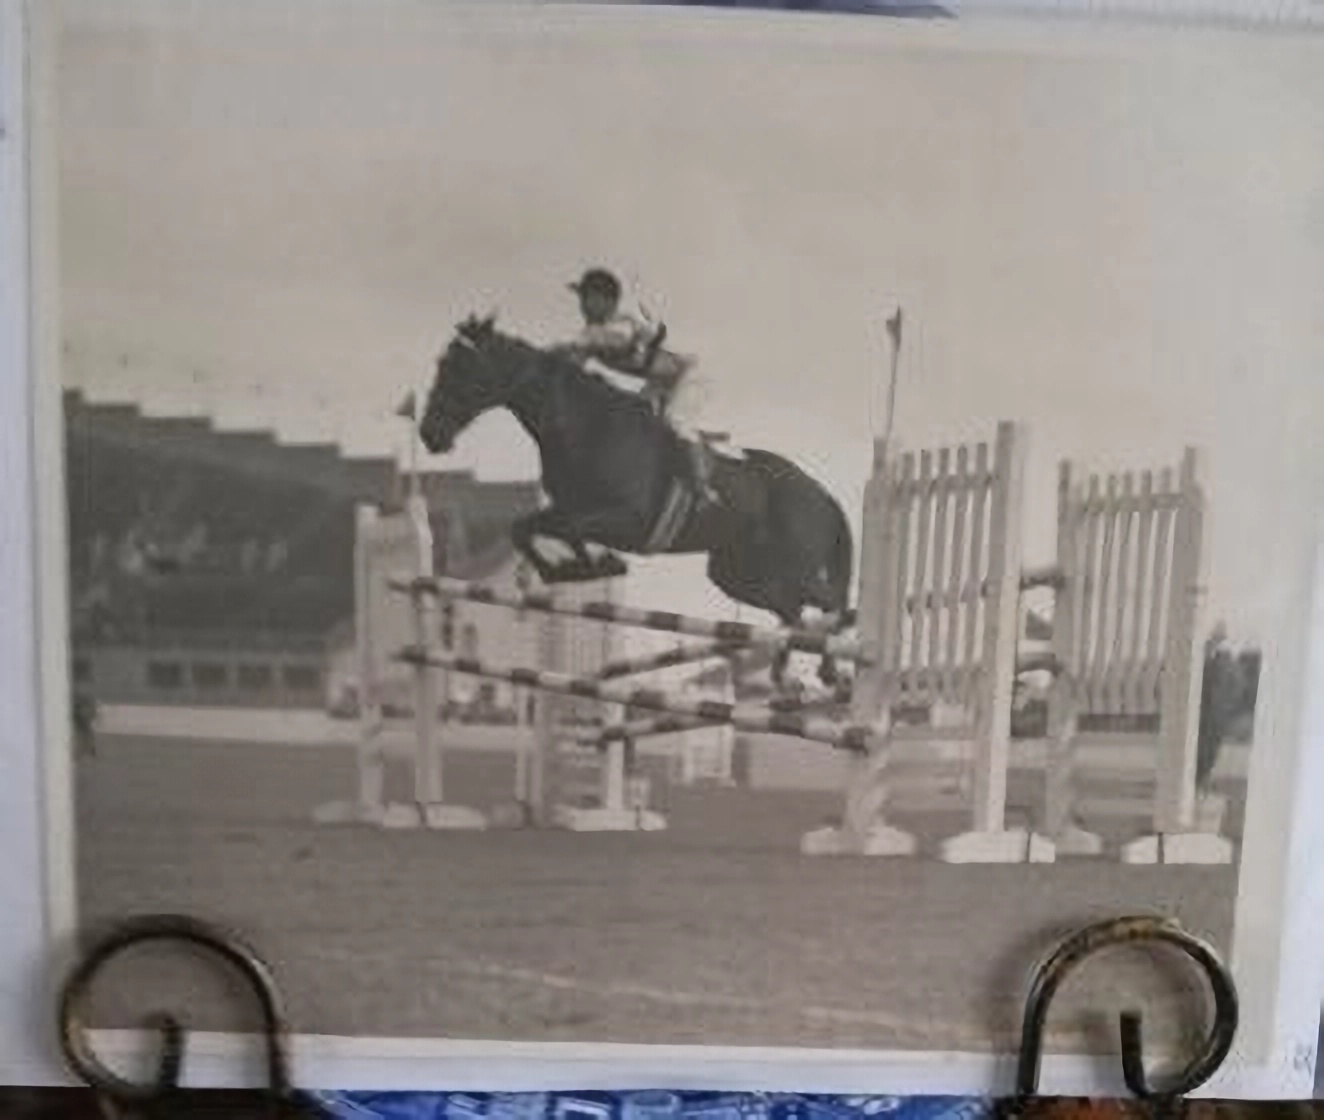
735, 494
714, 447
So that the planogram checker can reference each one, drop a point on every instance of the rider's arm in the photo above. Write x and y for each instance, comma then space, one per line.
615, 344
608, 340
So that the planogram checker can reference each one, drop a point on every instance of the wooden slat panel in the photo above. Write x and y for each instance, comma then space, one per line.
1085, 634
978, 568
923, 531
935, 674
1158, 596
1141, 608
954, 667
902, 613
1120, 670
1107, 564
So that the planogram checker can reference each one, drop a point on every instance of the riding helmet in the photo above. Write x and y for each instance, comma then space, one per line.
598, 280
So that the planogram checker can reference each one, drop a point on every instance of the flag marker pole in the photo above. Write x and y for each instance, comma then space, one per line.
894, 335
408, 411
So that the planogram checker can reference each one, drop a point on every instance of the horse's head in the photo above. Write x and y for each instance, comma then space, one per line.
474, 374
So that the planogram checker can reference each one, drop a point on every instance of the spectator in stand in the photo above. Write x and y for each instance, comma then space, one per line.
100, 554
131, 557
278, 555
193, 546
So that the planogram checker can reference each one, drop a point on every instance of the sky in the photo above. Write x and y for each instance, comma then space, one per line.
279, 224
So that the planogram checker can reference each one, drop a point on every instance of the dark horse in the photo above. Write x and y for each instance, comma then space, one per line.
617, 476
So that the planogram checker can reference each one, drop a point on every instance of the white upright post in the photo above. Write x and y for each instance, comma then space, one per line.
546, 743
428, 778
1069, 836
989, 840
1175, 839
384, 622
429, 808
613, 777
864, 829
369, 765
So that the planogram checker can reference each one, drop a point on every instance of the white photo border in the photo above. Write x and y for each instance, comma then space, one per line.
1279, 910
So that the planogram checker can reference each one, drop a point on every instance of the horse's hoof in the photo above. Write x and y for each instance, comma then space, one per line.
568, 571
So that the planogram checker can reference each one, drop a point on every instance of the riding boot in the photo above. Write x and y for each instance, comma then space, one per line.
702, 472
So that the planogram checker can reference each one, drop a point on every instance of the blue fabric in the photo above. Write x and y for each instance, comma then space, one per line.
650, 1105
912, 8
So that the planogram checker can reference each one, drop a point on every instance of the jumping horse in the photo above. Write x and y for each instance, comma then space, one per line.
618, 476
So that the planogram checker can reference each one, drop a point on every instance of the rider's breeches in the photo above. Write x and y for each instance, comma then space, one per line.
687, 405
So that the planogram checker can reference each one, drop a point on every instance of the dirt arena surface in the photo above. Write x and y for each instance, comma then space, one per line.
717, 931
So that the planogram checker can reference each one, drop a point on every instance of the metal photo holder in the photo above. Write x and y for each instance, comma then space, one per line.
1166, 1099
163, 1096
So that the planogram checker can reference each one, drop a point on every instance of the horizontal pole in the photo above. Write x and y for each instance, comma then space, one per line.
665, 724
815, 728
671, 724
665, 659
738, 633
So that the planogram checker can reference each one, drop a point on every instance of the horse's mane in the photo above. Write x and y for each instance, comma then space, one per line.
563, 366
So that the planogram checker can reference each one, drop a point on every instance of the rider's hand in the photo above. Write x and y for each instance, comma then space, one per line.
570, 350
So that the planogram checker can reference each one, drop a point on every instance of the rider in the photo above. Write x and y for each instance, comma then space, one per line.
632, 345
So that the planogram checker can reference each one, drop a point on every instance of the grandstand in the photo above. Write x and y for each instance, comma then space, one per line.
216, 567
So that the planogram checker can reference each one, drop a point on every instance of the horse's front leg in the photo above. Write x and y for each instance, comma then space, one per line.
524, 532
577, 532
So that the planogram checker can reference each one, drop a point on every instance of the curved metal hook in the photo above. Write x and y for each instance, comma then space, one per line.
1120, 931
77, 987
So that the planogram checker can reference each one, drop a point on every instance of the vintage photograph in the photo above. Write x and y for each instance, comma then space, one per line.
657, 526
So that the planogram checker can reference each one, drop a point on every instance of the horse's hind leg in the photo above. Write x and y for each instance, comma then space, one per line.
740, 574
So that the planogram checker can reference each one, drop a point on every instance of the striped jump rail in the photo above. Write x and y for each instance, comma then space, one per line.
851, 737
666, 724
666, 659
670, 724
740, 633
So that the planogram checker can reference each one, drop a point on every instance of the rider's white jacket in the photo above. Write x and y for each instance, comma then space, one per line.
624, 343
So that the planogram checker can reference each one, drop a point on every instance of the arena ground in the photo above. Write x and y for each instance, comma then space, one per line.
714, 932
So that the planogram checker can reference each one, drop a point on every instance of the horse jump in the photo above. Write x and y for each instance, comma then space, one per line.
938, 620
1129, 575
938, 607
940, 584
